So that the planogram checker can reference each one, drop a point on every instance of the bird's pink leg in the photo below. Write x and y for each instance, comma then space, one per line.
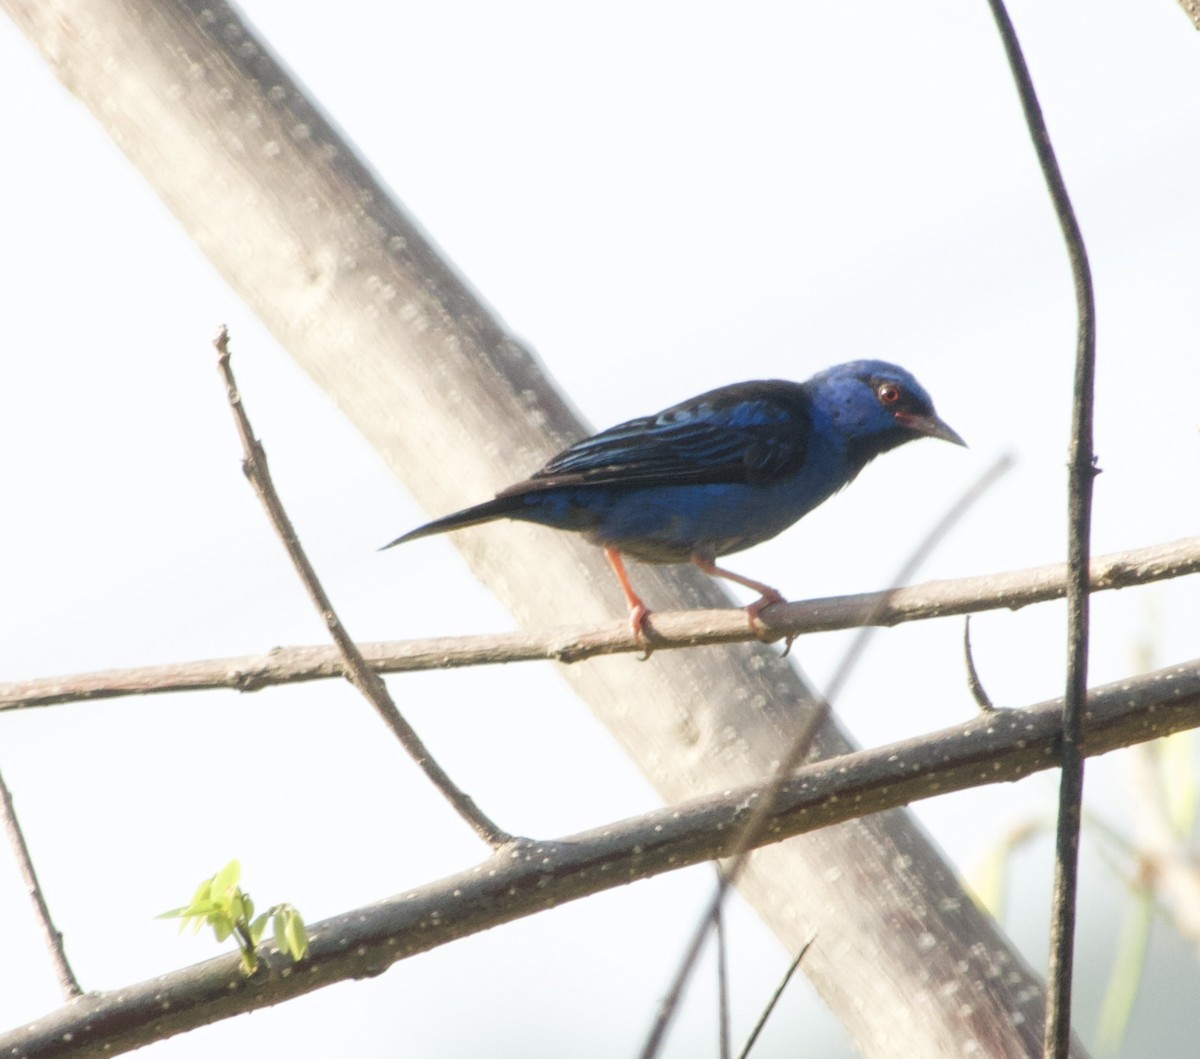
769, 596
638, 611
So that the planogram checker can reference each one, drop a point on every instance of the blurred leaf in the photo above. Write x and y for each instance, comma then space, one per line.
1177, 766
226, 880
1126, 977
258, 927
278, 926
174, 913
297, 935
988, 878
222, 925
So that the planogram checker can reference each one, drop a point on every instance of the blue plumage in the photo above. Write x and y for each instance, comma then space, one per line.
719, 472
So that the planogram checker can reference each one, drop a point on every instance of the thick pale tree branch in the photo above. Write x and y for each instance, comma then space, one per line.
528, 877
673, 629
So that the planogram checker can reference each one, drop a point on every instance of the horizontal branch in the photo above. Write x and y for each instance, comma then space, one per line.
933, 599
526, 876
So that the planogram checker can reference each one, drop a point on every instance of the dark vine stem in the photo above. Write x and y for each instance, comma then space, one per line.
1079, 499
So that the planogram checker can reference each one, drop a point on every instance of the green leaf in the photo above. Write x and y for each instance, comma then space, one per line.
258, 927
297, 935
226, 880
222, 925
278, 927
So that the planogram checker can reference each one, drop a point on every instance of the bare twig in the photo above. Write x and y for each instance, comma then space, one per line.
723, 1031
797, 751
1079, 501
933, 599
529, 878
354, 666
783, 984
53, 937
974, 684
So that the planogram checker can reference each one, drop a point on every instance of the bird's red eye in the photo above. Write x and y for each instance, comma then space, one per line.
888, 393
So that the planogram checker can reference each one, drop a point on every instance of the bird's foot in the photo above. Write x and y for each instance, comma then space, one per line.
638, 614
770, 597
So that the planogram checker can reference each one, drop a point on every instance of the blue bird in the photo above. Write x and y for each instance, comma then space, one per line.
717, 473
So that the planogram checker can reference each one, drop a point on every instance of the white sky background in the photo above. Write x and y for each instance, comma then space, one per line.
660, 199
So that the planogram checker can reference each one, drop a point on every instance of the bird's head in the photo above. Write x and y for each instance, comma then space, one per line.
875, 406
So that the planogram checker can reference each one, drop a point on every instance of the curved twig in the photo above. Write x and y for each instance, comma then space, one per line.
352, 665
50, 933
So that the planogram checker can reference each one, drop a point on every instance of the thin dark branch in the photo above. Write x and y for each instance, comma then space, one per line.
531, 877
770, 1008
933, 599
354, 665
798, 750
1079, 501
53, 937
974, 684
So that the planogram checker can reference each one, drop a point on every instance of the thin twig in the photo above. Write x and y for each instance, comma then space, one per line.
933, 599
798, 750
770, 1008
974, 684
52, 935
723, 1031
356, 669
998, 748
1057, 1039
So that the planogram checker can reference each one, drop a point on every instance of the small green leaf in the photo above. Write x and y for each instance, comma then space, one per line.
222, 925
258, 927
278, 927
226, 880
297, 936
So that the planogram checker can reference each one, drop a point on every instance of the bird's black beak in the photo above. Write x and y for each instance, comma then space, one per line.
929, 426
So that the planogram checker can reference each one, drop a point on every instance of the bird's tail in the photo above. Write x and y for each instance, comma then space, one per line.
500, 507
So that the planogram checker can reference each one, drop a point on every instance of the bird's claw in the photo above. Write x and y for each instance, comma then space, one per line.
760, 628
641, 635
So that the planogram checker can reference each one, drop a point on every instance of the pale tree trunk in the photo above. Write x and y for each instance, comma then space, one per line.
302, 230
